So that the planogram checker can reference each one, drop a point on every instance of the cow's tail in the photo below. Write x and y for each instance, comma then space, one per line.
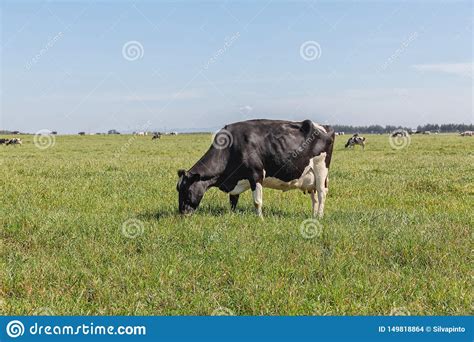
332, 137
331, 132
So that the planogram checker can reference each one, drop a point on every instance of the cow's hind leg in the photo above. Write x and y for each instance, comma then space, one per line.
314, 202
257, 192
258, 198
233, 199
321, 174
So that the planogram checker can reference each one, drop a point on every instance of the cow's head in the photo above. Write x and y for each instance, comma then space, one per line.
190, 190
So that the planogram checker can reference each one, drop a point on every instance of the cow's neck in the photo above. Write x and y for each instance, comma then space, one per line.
211, 166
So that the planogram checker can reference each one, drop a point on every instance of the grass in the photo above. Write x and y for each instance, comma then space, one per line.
397, 235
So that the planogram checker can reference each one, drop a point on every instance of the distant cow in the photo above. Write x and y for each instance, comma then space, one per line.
82, 133
400, 133
467, 134
355, 140
14, 141
427, 132
253, 154
156, 136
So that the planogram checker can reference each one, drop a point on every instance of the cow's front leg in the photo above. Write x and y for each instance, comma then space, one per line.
233, 199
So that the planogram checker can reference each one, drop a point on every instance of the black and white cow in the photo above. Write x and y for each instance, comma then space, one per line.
399, 133
4, 141
356, 139
14, 141
253, 154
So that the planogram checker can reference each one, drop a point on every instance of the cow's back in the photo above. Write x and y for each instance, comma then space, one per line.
282, 148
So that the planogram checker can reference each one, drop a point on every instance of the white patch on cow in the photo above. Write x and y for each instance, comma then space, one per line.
313, 180
308, 179
242, 185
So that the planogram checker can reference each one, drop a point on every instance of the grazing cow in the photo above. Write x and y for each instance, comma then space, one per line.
355, 140
14, 141
4, 141
467, 134
400, 133
253, 154
156, 136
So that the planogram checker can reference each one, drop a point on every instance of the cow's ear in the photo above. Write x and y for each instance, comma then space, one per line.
181, 172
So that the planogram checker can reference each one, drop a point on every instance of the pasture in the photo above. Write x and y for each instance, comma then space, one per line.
90, 226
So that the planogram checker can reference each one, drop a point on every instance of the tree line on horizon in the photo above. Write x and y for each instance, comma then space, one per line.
378, 129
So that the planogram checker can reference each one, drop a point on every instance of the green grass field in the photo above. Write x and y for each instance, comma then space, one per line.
89, 226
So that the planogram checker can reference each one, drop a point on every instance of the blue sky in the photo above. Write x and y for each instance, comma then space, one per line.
200, 65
